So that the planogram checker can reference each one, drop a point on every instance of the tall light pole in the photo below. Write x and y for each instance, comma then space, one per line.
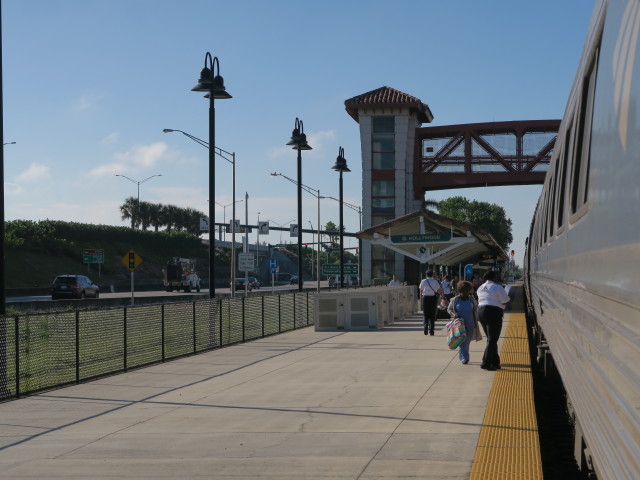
138, 183
315, 193
313, 243
359, 210
341, 166
224, 211
299, 142
231, 158
213, 84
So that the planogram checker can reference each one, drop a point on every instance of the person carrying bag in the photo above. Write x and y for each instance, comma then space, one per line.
463, 308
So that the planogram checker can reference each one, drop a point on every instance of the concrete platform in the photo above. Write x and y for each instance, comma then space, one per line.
381, 404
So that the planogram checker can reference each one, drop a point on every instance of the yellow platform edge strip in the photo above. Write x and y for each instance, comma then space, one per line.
508, 445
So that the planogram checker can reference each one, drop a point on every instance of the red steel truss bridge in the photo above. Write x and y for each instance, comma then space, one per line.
483, 154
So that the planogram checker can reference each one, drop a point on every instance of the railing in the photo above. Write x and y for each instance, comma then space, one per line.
41, 351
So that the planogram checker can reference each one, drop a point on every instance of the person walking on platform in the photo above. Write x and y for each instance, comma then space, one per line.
447, 287
492, 299
465, 307
429, 291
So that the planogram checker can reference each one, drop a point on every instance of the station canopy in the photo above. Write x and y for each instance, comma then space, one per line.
431, 238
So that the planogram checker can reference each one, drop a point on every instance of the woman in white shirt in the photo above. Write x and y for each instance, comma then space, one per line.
492, 299
429, 291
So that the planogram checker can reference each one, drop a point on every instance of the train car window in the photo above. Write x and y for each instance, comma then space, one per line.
564, 166
545, 214
552, 205
580, 173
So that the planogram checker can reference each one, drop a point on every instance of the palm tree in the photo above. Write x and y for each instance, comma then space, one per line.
155, 214
129, 210
145, 214
430, 205
170, 216
192, 217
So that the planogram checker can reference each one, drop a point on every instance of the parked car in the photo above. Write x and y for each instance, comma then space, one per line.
73, 286
283, 277
294, 280
254, 282
241, 285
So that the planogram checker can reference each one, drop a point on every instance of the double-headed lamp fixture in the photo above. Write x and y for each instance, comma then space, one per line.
298, 138
211, 82
341, 162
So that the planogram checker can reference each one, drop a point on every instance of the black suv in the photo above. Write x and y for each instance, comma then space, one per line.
73, 286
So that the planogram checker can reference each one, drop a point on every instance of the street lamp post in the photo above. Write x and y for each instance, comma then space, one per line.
313, 243
225, 155
138, 183
224, 211
315, 193
299, 142
341, 166
213, 84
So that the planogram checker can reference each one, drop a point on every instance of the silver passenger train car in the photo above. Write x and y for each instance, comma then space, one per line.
582, 263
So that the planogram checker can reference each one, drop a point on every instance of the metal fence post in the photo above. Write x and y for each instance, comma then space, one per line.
307, 308
220, 309
17, 342
194, 328
262, 299
295, 295
243, 298
124, 337
162, 326
279, 314
77, 346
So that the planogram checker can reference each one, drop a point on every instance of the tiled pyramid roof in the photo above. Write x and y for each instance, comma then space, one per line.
388, 97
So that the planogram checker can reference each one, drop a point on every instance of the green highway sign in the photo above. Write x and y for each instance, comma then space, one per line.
93, 256
334, 269
421, 238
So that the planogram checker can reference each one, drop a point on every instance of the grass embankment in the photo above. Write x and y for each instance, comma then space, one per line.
36, 252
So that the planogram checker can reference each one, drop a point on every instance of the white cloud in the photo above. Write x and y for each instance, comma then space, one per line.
109, 139
136, 159
108, 169
35, 172
12, 189
145, 155
86, 101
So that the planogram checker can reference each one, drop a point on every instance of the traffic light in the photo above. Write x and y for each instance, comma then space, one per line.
513, 252
132, 260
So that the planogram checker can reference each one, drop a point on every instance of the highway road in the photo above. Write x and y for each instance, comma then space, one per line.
161, 293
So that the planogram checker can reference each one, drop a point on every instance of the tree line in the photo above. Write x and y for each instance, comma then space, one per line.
488, 216
144, 215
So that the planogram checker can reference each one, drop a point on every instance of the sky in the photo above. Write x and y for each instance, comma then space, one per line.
89, 86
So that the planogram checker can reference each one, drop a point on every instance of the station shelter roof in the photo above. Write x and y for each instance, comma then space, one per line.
431, 238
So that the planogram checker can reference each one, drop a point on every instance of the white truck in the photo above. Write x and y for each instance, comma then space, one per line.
180, 274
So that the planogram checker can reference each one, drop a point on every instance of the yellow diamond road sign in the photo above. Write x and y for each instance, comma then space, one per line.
131, 260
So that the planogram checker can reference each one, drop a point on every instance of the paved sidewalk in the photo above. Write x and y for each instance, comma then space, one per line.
380, 404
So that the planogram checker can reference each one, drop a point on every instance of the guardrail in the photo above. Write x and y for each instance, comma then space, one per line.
41, 351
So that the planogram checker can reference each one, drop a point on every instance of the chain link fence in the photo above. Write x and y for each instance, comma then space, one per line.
40, 351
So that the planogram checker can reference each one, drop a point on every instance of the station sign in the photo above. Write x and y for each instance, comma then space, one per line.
421, 238
334, 269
